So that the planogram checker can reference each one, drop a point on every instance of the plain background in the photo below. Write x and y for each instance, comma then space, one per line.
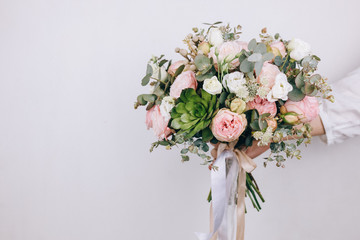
74, 158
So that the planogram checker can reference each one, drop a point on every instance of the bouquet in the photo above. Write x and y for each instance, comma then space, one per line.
234, 94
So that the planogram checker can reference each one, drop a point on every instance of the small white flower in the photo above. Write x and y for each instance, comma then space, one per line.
215, 37
299, 49
280, 89
212, 86
263, 91
156, 69
258, 135
166, 105
266, 137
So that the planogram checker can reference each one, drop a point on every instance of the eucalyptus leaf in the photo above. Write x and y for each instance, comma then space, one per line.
149, 70
141, 100
255, 57
299, 80
268, 56
296, 94
202, 62
252, 44
278, 61
162, 62
146, 79
246, 66
260, 48
149, 97
258, 67
315, 78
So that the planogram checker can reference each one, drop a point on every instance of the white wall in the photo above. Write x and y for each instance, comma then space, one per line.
74, 160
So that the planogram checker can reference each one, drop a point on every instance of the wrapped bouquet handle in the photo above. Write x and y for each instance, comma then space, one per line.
232, 164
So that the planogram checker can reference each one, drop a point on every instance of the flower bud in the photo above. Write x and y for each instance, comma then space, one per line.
195, 29
272, 123
183, 52
237, 105
201, 38
177, 50
195, 38
283, 109
204, 47
291, 118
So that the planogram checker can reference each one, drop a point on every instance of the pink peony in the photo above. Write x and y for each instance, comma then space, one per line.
263, 106
268, 75
173, 67
227, 126
184, 80
229, 50
280, 47
157, 122
308, 108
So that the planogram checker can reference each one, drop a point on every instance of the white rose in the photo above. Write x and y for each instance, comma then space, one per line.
235, 83
212, 86
156, 69
280, 89
165, 107
299, 49
215, 37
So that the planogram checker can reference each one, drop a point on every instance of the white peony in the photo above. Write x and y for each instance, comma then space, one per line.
299, 49
156, 69
166, 105
280, 89
212, 86
235, 83
215, 37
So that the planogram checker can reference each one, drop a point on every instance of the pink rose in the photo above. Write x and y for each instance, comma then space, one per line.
263, 106
229, 50
278, 47
227, 126
157, 122
173, 67
268, 75
184, 80
308, 108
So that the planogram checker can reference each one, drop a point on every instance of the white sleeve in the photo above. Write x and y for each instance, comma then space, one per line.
341, 119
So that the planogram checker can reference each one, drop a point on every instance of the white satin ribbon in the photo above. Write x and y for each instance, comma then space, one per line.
232, 165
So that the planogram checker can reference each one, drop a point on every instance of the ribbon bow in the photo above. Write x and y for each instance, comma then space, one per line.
231, 164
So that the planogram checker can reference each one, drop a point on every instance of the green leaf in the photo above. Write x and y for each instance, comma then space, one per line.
278, 61
260, 48
205, 147
184, 151
315, 78
254, 115
222, 97
149, 70
255, 57
246, 66
149, 97
268, 56
296, 94
207, 75
141, 100
185, 158
146, 79
255, 125
206, 134
258, 67
309, 88
202, 63
179, 70
299, 80
162, 62
164, 143
252, 44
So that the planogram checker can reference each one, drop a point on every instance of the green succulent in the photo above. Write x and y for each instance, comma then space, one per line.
193, 113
